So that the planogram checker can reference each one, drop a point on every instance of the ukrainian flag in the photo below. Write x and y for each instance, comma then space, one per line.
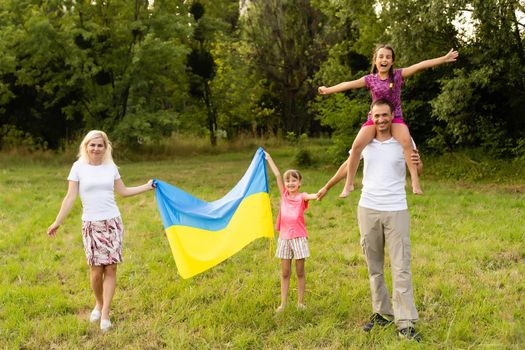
203, 234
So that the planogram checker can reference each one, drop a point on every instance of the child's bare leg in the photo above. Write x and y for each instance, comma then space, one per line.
402, 135
286, 265
349, 180
363, 138
301, 281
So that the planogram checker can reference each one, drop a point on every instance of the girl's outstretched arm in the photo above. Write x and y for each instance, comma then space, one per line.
451, 56
347, 85
275, 171
310, 196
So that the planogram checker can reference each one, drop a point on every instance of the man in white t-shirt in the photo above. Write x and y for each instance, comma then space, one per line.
384, 219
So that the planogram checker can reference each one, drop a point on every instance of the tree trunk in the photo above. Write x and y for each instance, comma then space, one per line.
212, 114
517, 36
290, 121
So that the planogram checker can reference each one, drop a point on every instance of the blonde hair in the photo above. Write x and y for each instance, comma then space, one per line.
292, 173
94, 134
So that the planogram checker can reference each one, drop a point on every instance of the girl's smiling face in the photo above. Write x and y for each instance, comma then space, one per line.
384, 60
292, 184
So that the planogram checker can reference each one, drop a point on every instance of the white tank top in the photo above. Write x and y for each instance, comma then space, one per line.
384, 176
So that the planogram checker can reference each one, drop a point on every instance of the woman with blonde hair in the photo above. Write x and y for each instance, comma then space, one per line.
95, 177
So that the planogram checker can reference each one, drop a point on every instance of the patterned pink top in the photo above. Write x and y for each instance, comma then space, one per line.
381, 89
290, 221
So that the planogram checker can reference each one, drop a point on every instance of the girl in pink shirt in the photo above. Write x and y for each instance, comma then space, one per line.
385, 82
293, 237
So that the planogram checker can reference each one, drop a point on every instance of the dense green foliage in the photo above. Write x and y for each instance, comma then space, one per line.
77, 65
143, 69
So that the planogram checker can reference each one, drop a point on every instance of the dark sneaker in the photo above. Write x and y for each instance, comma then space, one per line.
376, 319
409, 333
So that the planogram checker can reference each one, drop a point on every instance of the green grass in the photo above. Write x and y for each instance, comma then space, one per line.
468, 248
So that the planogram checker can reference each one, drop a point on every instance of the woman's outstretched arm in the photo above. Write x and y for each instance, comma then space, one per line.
132, 191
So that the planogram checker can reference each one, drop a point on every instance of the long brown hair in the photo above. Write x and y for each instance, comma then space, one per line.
391, 70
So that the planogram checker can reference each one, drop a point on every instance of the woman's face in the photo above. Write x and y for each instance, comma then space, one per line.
96, 148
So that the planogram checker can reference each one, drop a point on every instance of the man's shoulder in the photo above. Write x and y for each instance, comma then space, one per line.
390, 140
376, 147
380, 142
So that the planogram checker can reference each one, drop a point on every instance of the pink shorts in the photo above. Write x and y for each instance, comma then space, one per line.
394, 121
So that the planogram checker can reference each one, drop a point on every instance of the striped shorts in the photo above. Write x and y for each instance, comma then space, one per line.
295, 248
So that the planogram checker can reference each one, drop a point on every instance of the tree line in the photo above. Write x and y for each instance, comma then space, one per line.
142, 70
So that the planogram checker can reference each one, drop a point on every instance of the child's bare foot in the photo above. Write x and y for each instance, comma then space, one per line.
416, 189
301, 306
280, 309
346, 191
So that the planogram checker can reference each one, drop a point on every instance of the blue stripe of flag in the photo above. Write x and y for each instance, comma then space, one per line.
180, 208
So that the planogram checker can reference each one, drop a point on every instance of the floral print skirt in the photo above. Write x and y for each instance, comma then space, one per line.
103, 241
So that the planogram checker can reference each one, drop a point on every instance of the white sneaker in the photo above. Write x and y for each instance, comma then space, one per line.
280, 309
105, 325
95, 315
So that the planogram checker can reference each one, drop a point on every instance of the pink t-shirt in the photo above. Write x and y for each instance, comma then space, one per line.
290, 222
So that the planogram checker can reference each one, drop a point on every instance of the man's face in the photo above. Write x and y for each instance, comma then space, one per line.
382, 117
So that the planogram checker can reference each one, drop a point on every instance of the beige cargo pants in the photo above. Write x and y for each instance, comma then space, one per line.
393, 229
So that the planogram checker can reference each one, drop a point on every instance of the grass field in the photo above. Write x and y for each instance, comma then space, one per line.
468, 248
